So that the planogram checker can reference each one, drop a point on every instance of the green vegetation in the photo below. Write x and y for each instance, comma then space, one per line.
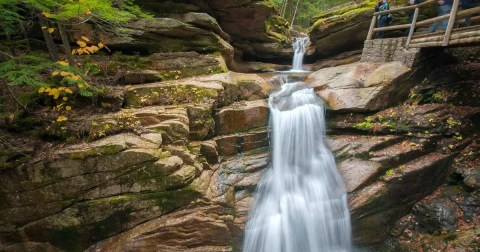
52, 84
300, 13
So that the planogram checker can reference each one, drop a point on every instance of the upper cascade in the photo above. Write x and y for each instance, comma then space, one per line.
299, 47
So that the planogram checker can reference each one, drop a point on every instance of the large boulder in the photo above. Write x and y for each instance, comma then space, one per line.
362, 86
160, 35
342, 29
172, 66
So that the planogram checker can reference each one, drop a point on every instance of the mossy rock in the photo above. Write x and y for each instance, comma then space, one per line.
81, 225
342, 29
169, 94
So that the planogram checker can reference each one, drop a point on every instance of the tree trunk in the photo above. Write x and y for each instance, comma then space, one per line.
25, 36
48, 38
284, 8
66, 44
294, 14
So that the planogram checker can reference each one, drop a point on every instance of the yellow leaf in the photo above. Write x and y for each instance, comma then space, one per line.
51, 30
55, 73
46, 14
88, 11
92, 49
75, 77
62, 118
85, 38
65, 99
68, 90
63, 73
41, 90
47, 89
74, 51
100, 45
81, 43
59, 105
63, 63
44, 27
68, 108
80, 85
61, 88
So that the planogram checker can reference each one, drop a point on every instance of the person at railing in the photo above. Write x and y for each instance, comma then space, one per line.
382, 21
411, 13
444, 7
467, 4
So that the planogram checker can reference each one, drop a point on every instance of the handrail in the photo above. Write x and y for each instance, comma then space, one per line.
452, 18
410, 7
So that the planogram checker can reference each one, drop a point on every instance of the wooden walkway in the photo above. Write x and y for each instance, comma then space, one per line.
450, 37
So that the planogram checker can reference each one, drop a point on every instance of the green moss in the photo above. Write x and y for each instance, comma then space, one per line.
343, 14
171, 200
277, 27
367, 125
99, 151
169, 95
389, 172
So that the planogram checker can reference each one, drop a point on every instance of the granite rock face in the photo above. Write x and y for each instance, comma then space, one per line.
361, 86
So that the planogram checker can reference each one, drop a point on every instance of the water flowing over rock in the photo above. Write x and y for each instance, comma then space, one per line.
301, 202
299, 47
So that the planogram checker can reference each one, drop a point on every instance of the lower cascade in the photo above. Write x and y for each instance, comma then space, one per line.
301, 201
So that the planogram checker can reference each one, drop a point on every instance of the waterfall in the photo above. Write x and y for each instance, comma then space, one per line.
301, 203
299, 47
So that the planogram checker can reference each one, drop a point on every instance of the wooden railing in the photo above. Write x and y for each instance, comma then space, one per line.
434, 39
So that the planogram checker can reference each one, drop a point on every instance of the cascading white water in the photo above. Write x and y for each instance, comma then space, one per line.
299, 47
301, 202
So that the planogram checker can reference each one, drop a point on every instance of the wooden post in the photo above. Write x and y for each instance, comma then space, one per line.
412, 27
451, 22
372, 26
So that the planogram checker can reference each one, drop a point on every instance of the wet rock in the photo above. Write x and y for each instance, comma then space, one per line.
239, 143
360, 86
357, 172
242, 116
347, 146
235, 169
